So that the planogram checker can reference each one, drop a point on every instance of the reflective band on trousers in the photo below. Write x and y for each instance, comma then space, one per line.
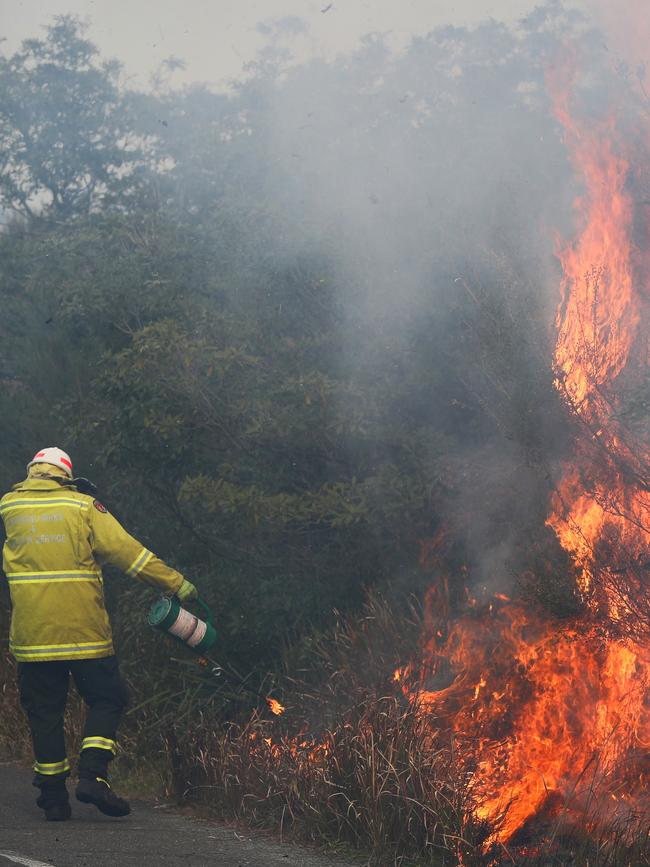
54, 577
59, 649
50, 769
139, 563
98, 743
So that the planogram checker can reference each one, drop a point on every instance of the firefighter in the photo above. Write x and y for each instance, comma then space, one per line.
57, 539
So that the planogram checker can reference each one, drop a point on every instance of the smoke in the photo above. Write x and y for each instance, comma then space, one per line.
423, 176
430, 182
402, 167
626, 26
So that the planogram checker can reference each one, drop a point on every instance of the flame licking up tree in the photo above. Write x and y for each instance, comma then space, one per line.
549, 715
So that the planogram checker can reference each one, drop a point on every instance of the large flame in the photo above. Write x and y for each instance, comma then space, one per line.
553, 716
598, 327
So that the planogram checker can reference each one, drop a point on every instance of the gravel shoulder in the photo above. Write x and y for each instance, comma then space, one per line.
152, 836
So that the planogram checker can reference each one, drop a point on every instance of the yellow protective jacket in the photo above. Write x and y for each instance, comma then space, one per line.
57, 541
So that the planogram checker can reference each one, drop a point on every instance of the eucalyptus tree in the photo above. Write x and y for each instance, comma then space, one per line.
67, 145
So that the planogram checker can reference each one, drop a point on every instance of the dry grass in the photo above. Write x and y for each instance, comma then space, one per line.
14, 734
373, 782
350, 763
15, 741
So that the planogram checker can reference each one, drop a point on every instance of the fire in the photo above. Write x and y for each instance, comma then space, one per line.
275, 706
599, 317
549, 716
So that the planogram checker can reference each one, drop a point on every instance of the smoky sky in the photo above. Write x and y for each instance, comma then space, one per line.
217, 40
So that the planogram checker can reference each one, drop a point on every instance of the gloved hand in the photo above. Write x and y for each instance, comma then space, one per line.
187, 591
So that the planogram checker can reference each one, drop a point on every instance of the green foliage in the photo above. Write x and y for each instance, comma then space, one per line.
64, 138
284, 431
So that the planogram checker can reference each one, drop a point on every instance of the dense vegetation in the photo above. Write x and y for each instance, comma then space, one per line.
292, 331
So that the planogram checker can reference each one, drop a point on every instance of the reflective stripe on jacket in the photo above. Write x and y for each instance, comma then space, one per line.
57, 541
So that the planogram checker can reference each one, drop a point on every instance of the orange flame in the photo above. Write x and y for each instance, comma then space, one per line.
275, 706
550, 715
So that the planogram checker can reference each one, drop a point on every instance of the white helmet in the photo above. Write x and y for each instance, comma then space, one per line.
56, 457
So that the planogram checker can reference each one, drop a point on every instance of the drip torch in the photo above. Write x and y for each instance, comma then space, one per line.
169, 617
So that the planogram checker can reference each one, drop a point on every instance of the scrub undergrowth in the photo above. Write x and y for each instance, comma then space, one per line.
350, 763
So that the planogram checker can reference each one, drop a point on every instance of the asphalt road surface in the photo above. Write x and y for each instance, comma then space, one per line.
150, 837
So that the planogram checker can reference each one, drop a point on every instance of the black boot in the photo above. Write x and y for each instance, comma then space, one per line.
97, 791
53, 799
58, 812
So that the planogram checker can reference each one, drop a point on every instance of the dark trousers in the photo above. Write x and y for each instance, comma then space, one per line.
44, 694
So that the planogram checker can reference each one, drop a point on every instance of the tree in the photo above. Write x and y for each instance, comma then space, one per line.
309, 337
65, 141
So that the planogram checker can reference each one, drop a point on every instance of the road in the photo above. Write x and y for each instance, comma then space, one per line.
150, 837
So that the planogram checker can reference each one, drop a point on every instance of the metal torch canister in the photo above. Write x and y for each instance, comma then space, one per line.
167, 615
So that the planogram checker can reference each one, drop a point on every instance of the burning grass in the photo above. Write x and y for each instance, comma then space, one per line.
358, 759
372, 781
361, 758
346, 762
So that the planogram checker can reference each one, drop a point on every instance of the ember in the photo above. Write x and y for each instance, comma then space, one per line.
275, 706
